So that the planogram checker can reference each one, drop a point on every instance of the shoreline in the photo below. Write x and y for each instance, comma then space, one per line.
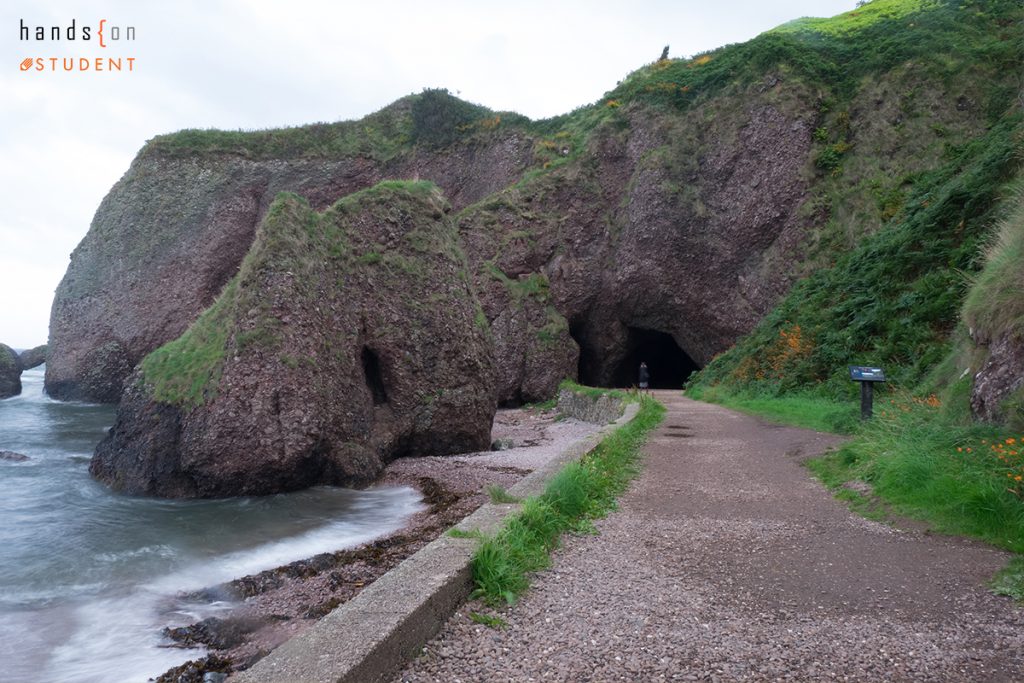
278, 604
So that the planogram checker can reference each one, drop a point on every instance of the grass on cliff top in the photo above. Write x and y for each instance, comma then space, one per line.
582, 491
944, 35
433, 118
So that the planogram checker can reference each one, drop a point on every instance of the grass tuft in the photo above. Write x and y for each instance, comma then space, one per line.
580, 492
499, 496
488, 620
1010, 580
960, 479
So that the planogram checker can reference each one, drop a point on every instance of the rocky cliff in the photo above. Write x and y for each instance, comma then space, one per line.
861, 155
662, 222
346, 339
174, 230
10, 372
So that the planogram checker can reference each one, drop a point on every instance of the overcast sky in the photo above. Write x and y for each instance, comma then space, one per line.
66, 138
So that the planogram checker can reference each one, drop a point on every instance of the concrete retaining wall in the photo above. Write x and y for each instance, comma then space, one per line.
597, 409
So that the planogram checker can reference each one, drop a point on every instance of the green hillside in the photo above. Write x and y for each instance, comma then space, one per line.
891, 294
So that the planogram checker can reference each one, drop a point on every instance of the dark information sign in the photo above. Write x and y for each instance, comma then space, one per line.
860, 373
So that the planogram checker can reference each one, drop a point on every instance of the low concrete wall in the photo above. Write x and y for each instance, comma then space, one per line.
599, 410
371, 637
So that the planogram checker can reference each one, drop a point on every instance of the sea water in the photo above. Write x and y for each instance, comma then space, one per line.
89, 578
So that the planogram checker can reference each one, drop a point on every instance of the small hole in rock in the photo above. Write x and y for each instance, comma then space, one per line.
374, 378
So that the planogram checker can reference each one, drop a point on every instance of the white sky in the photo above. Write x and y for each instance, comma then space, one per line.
66, 138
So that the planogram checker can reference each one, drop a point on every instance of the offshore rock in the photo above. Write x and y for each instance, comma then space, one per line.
347, 338
10, 372
33, 358
11, 456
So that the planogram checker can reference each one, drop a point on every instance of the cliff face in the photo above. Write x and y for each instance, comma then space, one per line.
634, 228
657, 228
346, 339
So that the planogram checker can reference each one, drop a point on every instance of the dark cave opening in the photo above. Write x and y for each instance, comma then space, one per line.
669, 365
374, 378
587, 367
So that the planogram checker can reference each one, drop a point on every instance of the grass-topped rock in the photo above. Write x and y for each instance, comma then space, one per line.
10, 372
347, 338
174, 229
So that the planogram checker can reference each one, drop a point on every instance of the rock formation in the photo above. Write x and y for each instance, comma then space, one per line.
346, 339
10, 372
1001, 374
574, 266
189, 213
11, 456
33, 358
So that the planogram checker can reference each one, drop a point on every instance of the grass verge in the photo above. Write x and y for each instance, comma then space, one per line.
580, 492
912, 460
964, 479
811, 412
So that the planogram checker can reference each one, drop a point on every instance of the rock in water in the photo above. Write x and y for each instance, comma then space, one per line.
346, 339
10, 372
33, 358
11, 456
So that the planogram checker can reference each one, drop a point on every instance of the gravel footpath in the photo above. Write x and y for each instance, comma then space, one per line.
728, 562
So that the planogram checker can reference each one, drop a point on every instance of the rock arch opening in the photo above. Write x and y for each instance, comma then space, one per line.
668, 364
374, 378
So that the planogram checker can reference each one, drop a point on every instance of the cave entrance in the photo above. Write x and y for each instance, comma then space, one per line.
669, 365
373, 376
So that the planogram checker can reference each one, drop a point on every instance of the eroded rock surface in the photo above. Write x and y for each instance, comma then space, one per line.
346, 339
33, 358
175, 228
1001, 375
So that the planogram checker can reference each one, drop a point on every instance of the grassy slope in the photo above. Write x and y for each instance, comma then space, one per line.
893, 298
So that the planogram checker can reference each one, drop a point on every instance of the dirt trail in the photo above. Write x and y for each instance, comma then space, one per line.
728, 562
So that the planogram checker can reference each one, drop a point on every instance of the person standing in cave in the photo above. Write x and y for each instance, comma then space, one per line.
645, 378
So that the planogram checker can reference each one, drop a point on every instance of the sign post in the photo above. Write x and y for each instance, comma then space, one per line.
867, 377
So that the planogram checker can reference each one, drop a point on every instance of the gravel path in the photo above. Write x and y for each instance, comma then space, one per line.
727, 562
